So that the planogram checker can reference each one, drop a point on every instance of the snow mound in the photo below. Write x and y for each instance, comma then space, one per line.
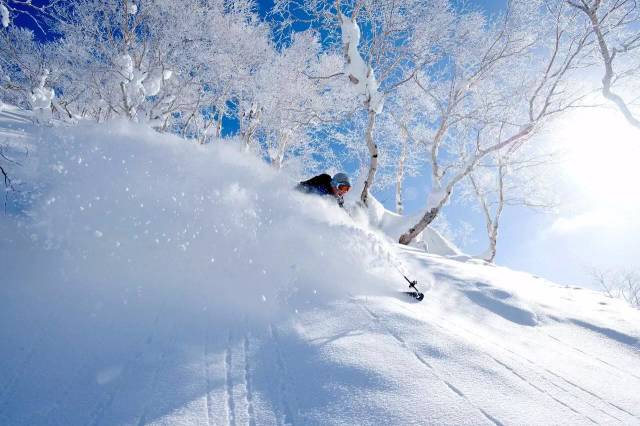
147, 213
393, 225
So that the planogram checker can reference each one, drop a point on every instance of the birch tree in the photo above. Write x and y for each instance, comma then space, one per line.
402, 135
616, 27
393, 46
289, 103
506, 84
181, 65
512, 177
24, 69
622, 284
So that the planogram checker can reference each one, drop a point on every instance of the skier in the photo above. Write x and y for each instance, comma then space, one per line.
337, 186
324, 184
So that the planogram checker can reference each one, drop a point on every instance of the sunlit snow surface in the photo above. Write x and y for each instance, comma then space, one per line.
145, 280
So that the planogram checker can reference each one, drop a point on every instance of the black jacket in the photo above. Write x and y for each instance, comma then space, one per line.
320, 185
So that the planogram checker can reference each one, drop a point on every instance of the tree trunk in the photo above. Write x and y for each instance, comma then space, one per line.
493, 242
125, 101
493, 229
373, 151
249, 130
413, 232
203, 139
400, 174
282, 148
218, 127
431, 214
607, 58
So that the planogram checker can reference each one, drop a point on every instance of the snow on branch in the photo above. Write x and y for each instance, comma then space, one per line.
360, 73
4, 14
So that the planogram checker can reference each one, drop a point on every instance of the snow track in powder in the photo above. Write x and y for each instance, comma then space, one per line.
159, 364
545, 378
513, 371
228, 384
285, 416
9, 388
543, 374
247, 381
608, 364
146, 348
240, 404
208, 362
430, 367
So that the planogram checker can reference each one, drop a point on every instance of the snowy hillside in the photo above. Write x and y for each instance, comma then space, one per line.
146, 280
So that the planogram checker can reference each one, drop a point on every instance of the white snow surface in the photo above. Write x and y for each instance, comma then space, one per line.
147, 280
394, 225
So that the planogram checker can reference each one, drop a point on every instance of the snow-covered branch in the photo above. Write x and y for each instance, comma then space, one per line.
615, 27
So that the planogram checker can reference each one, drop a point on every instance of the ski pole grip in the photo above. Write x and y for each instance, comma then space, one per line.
411, 283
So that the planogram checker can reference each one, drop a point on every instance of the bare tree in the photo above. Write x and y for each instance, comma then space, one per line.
518, 82
512, 177
615, 25
36, 12
23, 63
394, 47
402, 138
622, 284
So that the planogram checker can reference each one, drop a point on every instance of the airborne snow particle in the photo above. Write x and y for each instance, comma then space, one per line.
105, 376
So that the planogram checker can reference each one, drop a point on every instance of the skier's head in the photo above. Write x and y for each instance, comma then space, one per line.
340, 183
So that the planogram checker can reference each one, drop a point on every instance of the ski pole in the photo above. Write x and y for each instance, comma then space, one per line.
412, 284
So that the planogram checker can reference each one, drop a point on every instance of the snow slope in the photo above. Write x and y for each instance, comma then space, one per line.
145, 280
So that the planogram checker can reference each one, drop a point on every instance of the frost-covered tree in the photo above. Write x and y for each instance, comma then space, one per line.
180, 65
35, 11
24, 69
401, 138
228, 49
615, 25
288, 104
504, 81
115, 55
384, 44
516, 176
622, 284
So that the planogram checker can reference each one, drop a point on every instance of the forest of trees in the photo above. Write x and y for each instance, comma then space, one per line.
403, 88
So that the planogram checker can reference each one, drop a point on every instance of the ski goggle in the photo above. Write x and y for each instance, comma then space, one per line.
344, 187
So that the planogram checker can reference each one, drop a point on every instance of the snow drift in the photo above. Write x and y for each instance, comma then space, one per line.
146, 280
141, 212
